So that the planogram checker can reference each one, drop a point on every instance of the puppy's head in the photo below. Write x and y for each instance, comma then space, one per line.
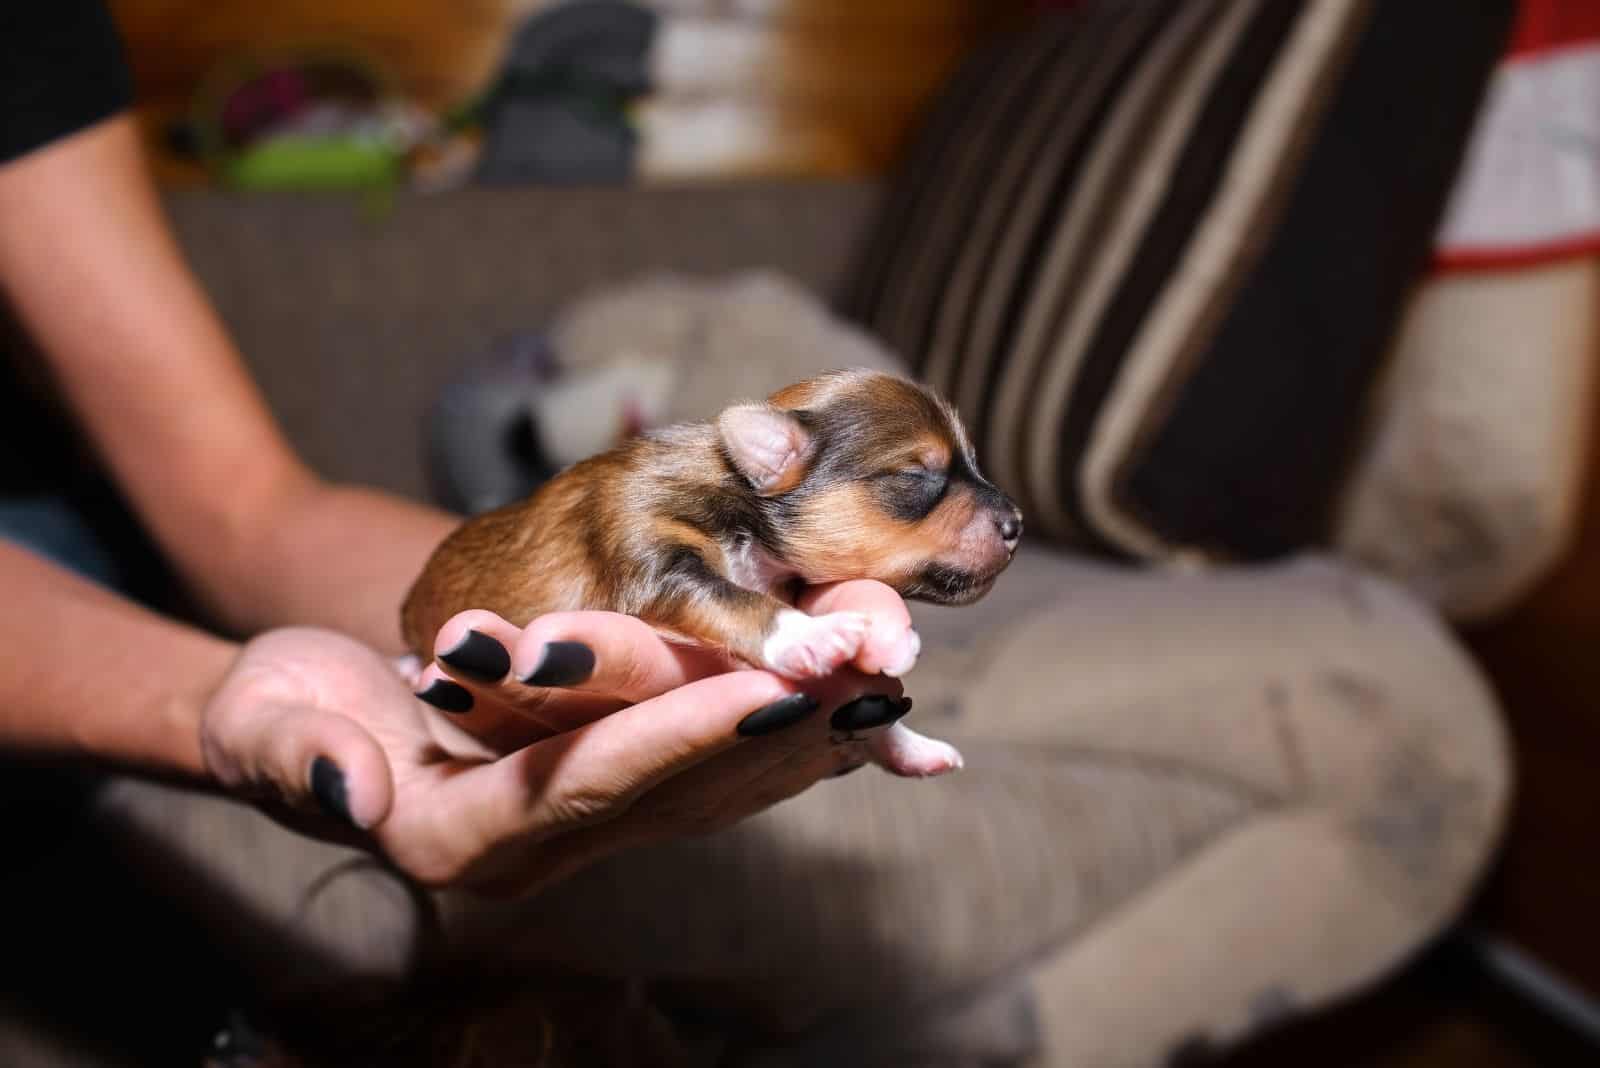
866, 475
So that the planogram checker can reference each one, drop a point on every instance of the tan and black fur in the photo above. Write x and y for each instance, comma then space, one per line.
705, 530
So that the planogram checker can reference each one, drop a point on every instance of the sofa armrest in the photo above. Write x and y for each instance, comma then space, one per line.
1467, 491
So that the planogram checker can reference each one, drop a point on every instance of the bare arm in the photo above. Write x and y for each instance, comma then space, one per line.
88, 259
302, 713
90, 674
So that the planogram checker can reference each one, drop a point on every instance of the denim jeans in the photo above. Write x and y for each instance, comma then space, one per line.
52, 798
51, 527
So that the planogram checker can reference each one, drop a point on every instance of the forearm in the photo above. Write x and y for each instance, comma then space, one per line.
154, 377
87, 674
341, 557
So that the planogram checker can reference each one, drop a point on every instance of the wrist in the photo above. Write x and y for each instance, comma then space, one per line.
91, 675
176, 742
163, 734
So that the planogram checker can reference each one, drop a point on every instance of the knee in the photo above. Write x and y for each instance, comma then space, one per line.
1402, 735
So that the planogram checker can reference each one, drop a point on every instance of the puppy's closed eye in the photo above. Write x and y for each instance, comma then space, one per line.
911, 493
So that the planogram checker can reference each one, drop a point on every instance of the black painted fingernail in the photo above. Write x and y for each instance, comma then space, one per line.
447, 696
864, 713
563, 664
784, 712
328, 787
847, 769
478, 655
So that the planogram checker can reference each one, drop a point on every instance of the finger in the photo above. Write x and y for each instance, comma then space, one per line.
471, 678
595, 772
661, 764
741, 782
508, 716
600, 654
607, 653
855, 595
714, 795
782, 780
317, 761
748, 778
601, 769
891, 645
456, 690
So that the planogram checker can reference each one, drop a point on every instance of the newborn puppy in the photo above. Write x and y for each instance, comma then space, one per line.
707, 531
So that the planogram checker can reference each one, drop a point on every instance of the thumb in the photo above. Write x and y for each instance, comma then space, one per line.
321, 761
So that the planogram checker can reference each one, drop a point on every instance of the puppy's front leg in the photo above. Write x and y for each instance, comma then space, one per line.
694, 600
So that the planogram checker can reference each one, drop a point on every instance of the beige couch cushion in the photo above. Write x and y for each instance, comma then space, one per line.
1467, 489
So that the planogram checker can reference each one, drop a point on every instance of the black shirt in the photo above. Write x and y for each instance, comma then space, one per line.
61, 69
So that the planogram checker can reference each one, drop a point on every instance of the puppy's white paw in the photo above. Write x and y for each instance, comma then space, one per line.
809, 647
903, 657
902, 751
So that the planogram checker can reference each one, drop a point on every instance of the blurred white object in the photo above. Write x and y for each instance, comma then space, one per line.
1530, 184
591, 410
670, 348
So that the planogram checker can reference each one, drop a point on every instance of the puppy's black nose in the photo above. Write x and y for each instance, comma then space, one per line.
1011, 529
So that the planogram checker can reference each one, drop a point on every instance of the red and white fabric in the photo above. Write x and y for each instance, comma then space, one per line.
1529, 189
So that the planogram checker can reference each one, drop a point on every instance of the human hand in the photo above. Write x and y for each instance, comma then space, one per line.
511, 685
480, 659
535, 782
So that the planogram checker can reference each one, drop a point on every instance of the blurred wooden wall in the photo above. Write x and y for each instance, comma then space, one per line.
801, 86
786, 87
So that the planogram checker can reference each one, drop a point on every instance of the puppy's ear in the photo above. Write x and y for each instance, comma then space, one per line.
768, 446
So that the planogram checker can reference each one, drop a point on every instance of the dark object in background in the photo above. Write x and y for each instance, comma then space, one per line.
557, 111
1040, 260
64, 68
78, 516
482, 448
